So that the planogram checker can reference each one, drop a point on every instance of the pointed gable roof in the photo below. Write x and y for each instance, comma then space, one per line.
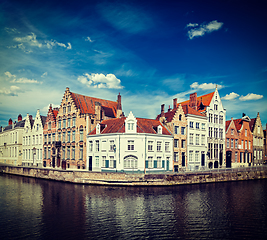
202, 101
86, 104
117, 125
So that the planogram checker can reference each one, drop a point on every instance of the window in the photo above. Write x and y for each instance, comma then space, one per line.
53, 137
44, 153
191, 136
73, 136
197, 156
45, 139
167, 146
81, 152
176, 143
203, 126
176, 156
37, 127
202, 139
183, 130
180, 117
215, 107
197, 125
220, 119
210, 132
69, 122
64, 123
29, 140
49, 152
68, 152
36, 139
59, 124
97, 145
97, 161
236, 143
190, 156
158, 146
210, 149
64, 110
176, 129
246, 144
220, 133
159, 162
130, 145
210, 117
191, 125
232, 143
150, 162
215, 132
111, 146
69, 108
111, 162
103, 161
242, 144
49, 125
33, 140
63, 152
130, 126
236, 157
228, 142
90, 147
49, 138
59, 136
81, 134
183, 143
63, 136
216, 151
215, 118
73, 152
197, 139
246, 132
73, 122
150, 145
232, 131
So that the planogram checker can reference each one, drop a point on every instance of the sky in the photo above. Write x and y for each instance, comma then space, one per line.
148, 51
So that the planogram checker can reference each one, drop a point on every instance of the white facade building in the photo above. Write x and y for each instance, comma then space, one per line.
33, 140
130, 144
11, 142
196, 139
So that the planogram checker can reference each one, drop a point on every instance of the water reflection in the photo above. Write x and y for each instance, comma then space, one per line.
40, 209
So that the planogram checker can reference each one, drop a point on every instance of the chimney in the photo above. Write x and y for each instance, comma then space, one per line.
162, 110
119, 108
30, 117
193, 101
243, 114
19, 117
10, 122
169, 109
174, 103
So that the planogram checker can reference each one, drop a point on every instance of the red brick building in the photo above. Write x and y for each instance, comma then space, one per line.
245, 143
49, 133
232, 144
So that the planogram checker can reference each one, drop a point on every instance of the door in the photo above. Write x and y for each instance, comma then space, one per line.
228, 159
53, 162
221, 158
90, 163
203, 159
183, 159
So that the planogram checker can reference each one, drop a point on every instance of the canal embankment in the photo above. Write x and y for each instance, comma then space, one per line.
138, 179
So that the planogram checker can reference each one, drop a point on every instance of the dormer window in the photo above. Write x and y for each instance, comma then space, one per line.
159, 129
130, 123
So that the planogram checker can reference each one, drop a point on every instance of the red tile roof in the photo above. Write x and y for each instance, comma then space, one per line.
227, 123
238, 124
116, 125
202, 101
189, 110
55, 112
87, 104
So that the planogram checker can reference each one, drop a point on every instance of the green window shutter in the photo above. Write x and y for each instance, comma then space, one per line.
107, 163
155, 163
146, 163
114, 163
163, 164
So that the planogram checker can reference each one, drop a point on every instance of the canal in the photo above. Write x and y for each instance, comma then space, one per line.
41, 209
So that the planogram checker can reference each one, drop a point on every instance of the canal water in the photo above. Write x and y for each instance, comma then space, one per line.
41, 209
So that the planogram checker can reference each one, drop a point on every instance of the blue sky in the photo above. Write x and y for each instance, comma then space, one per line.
149, 51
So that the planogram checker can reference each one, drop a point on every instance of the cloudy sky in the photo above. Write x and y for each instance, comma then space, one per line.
149, 51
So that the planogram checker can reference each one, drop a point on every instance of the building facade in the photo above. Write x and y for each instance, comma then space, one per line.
50, 153
232, 145
77, 116
245, 143
130, 144
175, 120
32, 143
258, 140
196, 139
11, 142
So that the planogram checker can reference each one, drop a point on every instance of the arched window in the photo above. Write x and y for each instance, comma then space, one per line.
180, 117
130, 162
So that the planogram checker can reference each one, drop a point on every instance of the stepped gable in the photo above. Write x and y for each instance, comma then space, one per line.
202, 102
87, 104
168, 115
117, 125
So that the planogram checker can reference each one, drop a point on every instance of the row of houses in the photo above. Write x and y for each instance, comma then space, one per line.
93, 134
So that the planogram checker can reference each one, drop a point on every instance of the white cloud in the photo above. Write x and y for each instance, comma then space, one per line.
251, 96
12, 91
31, 41
24, 80
205, 86
230, 96
97, 80
88, 39
44, 75
201, 30
11, 30
10, 75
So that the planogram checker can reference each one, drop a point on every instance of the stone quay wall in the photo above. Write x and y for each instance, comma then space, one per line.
137, 179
